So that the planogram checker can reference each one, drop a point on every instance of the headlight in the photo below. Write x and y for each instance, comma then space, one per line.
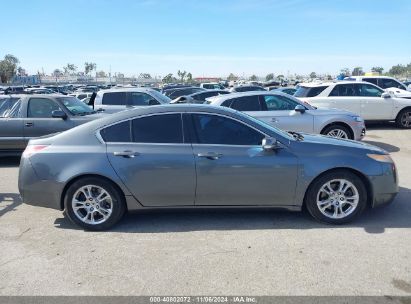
357, 118
384, 158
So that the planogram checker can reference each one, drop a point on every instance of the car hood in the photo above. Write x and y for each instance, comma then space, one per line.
327, 140
90, 117
323, 111
399, 93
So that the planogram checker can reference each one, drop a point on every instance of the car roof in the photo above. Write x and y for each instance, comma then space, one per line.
222, 98
363, 76
124, 89
323, 84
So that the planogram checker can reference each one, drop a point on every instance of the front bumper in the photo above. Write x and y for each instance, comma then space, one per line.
358, 130
37, 192
385, 187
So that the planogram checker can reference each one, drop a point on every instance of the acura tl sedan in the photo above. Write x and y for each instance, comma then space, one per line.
196, 156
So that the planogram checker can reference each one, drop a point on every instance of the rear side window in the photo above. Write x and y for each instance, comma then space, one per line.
309, 91
117, 133
246, 103
115, 98
163, 128
371, 80
344, 90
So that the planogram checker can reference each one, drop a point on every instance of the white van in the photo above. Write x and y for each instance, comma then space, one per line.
115, 100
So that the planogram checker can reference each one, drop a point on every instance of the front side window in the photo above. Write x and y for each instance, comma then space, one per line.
246, 103
163, 128
279, 103
41, 108
369, 90
214, 129
386, 83
141, 99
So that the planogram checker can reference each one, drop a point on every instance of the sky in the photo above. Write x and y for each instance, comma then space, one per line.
209, 37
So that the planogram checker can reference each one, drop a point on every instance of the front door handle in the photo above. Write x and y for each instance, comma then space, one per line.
210, 155
274, 119
29, 124
126, 154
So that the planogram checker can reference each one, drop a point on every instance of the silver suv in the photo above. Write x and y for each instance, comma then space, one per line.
288, 113
115, 100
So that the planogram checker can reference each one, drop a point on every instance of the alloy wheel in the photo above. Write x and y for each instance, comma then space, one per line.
338, 133
406, 119
92, 204
337, 198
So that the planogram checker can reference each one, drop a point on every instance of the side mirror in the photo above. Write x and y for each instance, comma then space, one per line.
300, 109
386, 95
58, 114
270, 144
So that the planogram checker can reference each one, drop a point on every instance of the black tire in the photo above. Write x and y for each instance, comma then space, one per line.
400, 117
336, 127
314, 189
117, 199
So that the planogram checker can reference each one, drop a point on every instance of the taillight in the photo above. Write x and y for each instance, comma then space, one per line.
33, 149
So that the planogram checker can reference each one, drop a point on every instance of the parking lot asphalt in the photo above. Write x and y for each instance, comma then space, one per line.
213, 252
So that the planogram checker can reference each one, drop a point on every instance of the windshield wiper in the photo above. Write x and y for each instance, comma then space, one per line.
296, 135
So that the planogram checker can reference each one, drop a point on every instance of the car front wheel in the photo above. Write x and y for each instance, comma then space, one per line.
337, 131
336, 197
94, 204
404, 119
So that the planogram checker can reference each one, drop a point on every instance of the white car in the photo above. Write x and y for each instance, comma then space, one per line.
120, 99
384, 82
363, 98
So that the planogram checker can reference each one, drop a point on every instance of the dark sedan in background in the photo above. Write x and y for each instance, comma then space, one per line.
194, 156
31, 116
199, 97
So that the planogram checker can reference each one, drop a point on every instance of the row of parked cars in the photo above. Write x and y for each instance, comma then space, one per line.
335, 109
177, 153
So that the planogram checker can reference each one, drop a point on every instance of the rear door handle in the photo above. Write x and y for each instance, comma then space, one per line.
274, 119
210, 155
29, 124
126, 154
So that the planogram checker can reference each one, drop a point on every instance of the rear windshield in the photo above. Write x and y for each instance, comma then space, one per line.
309, 91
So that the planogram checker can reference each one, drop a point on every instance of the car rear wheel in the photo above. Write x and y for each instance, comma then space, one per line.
337, 131
404, 119
94, 204
336, 197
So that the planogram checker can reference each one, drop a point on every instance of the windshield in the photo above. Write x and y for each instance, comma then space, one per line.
76, 106
266, 125
160, 97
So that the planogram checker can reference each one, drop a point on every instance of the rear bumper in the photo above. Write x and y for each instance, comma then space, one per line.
37, 192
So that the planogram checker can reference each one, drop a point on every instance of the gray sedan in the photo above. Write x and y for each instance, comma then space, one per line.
195, 156
288, 113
